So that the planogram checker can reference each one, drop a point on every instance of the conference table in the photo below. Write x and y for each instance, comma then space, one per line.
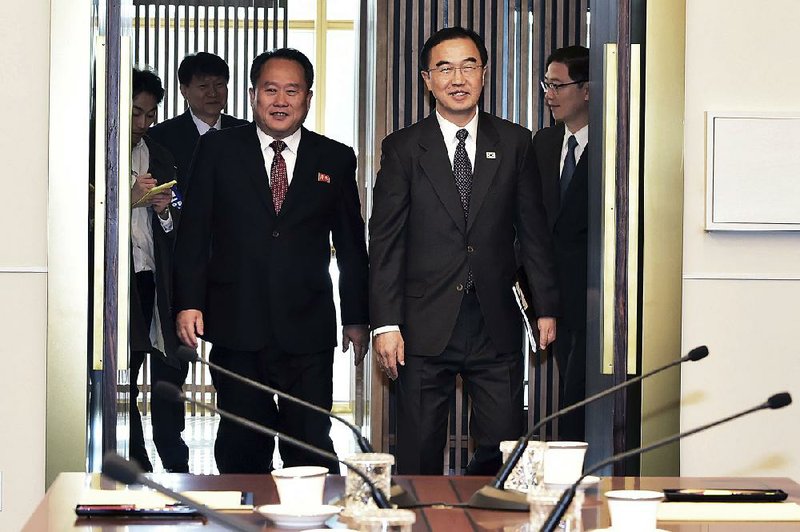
56, 510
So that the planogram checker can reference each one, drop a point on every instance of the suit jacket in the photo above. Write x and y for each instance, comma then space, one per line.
179, 136
568, 220
421, 247
254, 273
162, 167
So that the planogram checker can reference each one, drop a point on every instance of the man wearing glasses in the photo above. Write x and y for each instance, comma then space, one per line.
562, 156
452, 194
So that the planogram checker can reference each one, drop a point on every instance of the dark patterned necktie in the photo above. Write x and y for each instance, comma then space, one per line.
278, 179
569, 164
462, 171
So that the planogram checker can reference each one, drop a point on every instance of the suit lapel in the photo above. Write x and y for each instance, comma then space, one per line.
190, 129
304, 168
485, 165
254, 159
435, 164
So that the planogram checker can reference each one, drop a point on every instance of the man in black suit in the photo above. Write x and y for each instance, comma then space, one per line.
442, 261
152, 328
203, 81
562, 154
252, 260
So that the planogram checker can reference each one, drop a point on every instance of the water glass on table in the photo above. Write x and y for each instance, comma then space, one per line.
527, 474
358, 495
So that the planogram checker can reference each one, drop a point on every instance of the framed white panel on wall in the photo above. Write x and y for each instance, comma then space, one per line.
752, 171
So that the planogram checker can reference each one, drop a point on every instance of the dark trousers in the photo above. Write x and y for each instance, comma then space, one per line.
239, 449
570, 352
425, 384
167, 416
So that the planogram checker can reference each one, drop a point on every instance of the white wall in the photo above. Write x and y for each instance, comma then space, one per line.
741, 292
24, 64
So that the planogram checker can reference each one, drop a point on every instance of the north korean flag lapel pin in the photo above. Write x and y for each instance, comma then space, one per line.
491, 155
323, 178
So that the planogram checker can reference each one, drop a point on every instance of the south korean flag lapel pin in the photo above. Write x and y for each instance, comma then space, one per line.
491, 155
323, 178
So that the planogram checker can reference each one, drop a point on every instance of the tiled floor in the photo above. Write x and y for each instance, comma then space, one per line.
201, 431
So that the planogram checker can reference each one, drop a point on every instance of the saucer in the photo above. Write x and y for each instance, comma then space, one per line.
298, 516
588, 482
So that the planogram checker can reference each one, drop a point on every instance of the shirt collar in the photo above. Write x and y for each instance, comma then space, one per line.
449, 129
202, 127
582, 136
292, 141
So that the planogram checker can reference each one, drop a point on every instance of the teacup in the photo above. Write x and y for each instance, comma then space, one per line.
633, 510
301, 485
563, 461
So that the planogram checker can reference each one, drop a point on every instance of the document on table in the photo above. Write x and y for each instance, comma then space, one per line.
728, 511
218, 500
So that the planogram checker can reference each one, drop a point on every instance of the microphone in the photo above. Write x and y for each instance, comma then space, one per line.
189, 355
117, 468
171, 392
399, 496
494, 497
778, 400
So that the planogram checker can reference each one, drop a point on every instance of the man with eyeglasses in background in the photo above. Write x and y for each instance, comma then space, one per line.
203, 81
453, 192
562, 155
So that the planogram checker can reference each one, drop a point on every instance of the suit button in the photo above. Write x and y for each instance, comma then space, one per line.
276, 234
470, 249
460, 287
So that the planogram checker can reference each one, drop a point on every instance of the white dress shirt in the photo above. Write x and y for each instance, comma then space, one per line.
449, 131
142, 236
582, 136
202, 127
289, 152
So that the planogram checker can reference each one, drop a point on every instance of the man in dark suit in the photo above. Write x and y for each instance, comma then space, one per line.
562, 154
203, 81
252, 260
442, 261
152, 328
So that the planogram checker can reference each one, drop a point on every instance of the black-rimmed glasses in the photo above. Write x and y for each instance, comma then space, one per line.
547, 85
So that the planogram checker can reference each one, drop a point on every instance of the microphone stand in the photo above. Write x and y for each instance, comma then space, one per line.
494, 497
171, 392
398, 495
117, 468
776, 401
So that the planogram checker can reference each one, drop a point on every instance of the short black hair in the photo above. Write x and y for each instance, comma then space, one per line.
202, 64
145, 80
448, 34
283, 53
576, 59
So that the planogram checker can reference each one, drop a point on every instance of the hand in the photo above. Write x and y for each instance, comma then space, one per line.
359, 336
389, 351
189, 325
547, 331
144, 182
161, 201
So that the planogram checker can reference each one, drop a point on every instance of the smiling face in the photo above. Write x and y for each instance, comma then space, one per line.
206, 96
569, 104
280, 99
456, 94
143, 114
